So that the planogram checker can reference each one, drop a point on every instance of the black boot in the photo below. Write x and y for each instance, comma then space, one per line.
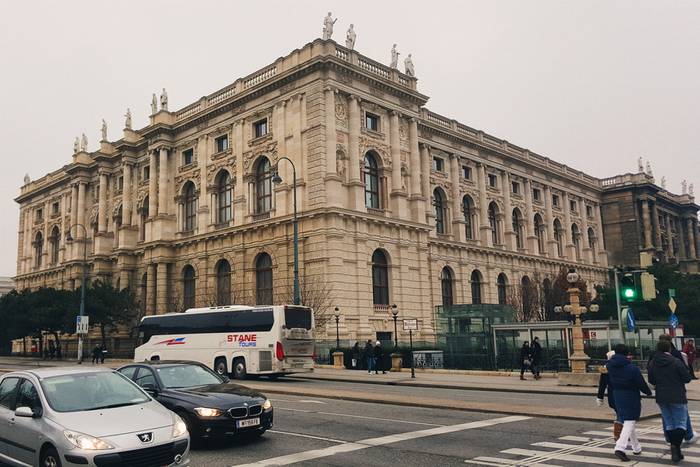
676, 437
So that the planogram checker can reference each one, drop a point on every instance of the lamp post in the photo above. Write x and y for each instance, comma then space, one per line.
277, 179
83, 285
337, 332
578, 358
394, 314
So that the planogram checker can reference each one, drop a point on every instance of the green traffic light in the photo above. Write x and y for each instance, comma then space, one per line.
628, 293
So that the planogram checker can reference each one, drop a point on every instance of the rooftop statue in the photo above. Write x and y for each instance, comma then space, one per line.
127, 122
408, 64
350, 38
394, 57
164, 100
328, 23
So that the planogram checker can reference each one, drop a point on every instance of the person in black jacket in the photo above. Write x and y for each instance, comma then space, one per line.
525, 360
369, 356
536, 351
378, 358
627, 382
603, 385
670, 376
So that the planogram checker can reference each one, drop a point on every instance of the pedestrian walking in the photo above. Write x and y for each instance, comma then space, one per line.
52, 350
525, 360
603, 386
103, 353
355, 356
379, 358
689, 349
536, 352
670, 376
369, 356
627, 382
96, 354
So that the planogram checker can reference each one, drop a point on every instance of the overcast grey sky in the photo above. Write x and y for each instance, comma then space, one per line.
590, 83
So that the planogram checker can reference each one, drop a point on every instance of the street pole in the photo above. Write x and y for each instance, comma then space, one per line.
278, 179
337, 332
410, 340
619, 310
395, 314
83, 285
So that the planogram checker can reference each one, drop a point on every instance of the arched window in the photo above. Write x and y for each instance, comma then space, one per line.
539, 232
223, 197
576, 240
263, 279
558, 237
517, 219
446, 281
527, 297
440, 210
55, 241
38, 249
143, 218
189, 205
263, 187
493, 223
188, 287
380, 278
223, 283
468, 212
476, 284
370, 174
502, 284
592, 240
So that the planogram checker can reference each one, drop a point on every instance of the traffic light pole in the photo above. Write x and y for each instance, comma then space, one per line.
619, 309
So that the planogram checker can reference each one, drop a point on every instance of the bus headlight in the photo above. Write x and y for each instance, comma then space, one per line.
206, 412
267, 405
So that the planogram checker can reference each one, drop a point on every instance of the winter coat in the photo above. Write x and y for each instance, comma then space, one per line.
690, 352
603, 384
369, 351
536, 351
378, 352
626, 381
670, 376
525, 353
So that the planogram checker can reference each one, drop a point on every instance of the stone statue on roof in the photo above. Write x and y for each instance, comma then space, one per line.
408, 65
164, 100
663, 182
649, 172
350, 38
83, 143
76, 145
394, 57
104, 130
127, 122
27, 180
691, 189
640, 165
154, 104
328, 23
684, 187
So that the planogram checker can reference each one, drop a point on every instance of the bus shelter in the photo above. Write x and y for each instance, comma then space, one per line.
555, 337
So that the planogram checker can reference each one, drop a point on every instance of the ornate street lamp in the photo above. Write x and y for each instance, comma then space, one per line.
578, 358
337, 332
277, 180
394, 314
69, 238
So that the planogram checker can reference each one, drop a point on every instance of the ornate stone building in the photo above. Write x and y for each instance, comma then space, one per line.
396, 203
639, 216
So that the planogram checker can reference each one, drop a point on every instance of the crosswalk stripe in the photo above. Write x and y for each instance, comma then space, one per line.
650, 437
600, 450
496, 461
645, 445
580, 439
576, 458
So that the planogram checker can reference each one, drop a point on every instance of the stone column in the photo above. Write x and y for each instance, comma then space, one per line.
484, 227
425, 182
331, 138
585, 243
602, 255
27, 225
531, 243
354, 156
549, 221
569, 249
457, 218
126, 196
646, 221
657, 228
151, 289
683, 253
418, 201
81, 211
670, 252
163, 182
509, 232
102, 204
153, 186
692, 253
162, 288
697, 239
280, 200
73, 218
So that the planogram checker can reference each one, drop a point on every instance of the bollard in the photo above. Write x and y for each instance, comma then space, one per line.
338, 360
396, 360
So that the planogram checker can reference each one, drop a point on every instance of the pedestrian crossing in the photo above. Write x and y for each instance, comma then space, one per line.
595, 447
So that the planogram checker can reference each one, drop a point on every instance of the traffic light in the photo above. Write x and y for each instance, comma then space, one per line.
628, 287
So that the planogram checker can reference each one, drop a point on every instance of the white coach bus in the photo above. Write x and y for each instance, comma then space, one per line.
242, 340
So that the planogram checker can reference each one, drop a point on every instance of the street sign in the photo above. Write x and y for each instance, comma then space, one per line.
672, 305
410, 325
82, 324
673, 321
628, 319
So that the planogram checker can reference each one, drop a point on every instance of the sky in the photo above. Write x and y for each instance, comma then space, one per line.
594, 84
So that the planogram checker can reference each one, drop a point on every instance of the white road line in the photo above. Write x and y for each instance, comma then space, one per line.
301, 435
497, 461
372, 442
359, 416
601, 450
650, 437
646, 445
576, 458
580, 439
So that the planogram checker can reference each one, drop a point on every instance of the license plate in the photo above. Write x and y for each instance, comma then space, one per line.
297, 365
248, 423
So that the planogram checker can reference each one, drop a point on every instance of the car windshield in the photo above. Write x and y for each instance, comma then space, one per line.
91, 391
186, 376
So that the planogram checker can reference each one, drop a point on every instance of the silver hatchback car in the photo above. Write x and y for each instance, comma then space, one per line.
56, 417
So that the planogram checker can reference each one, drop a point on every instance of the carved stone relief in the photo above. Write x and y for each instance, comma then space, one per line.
382, 149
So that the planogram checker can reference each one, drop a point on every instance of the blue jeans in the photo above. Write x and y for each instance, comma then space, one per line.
674, 416
688, 428
370, 364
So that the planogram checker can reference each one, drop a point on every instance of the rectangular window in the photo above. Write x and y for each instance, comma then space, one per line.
516, 188
221, 143
438, 164
39, 214
120, 183
573, 206
555, 200
493, 180
147, 172
54, 208
536, 194
260, 128
372, 121
589, 211
466, 172
187, 156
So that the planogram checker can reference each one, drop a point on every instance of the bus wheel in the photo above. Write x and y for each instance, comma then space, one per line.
220, 366
239, 370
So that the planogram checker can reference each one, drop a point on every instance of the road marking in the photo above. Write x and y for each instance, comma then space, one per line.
580, 439
601, 450
358, 416
303, 401
497, 461
650, 437
373, 442
576, 458
301, 435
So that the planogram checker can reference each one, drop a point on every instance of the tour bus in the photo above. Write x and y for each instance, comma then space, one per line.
256, 340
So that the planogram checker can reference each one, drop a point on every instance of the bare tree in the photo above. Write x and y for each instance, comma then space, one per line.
526, 300
317, 293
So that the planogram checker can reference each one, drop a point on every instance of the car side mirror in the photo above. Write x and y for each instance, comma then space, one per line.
151, 389
25, 412
226, 379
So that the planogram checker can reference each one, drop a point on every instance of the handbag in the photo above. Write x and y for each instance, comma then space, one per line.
527, 362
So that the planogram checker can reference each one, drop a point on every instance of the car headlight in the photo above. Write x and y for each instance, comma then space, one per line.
206, 412
267, 405
87, 442
179, 427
